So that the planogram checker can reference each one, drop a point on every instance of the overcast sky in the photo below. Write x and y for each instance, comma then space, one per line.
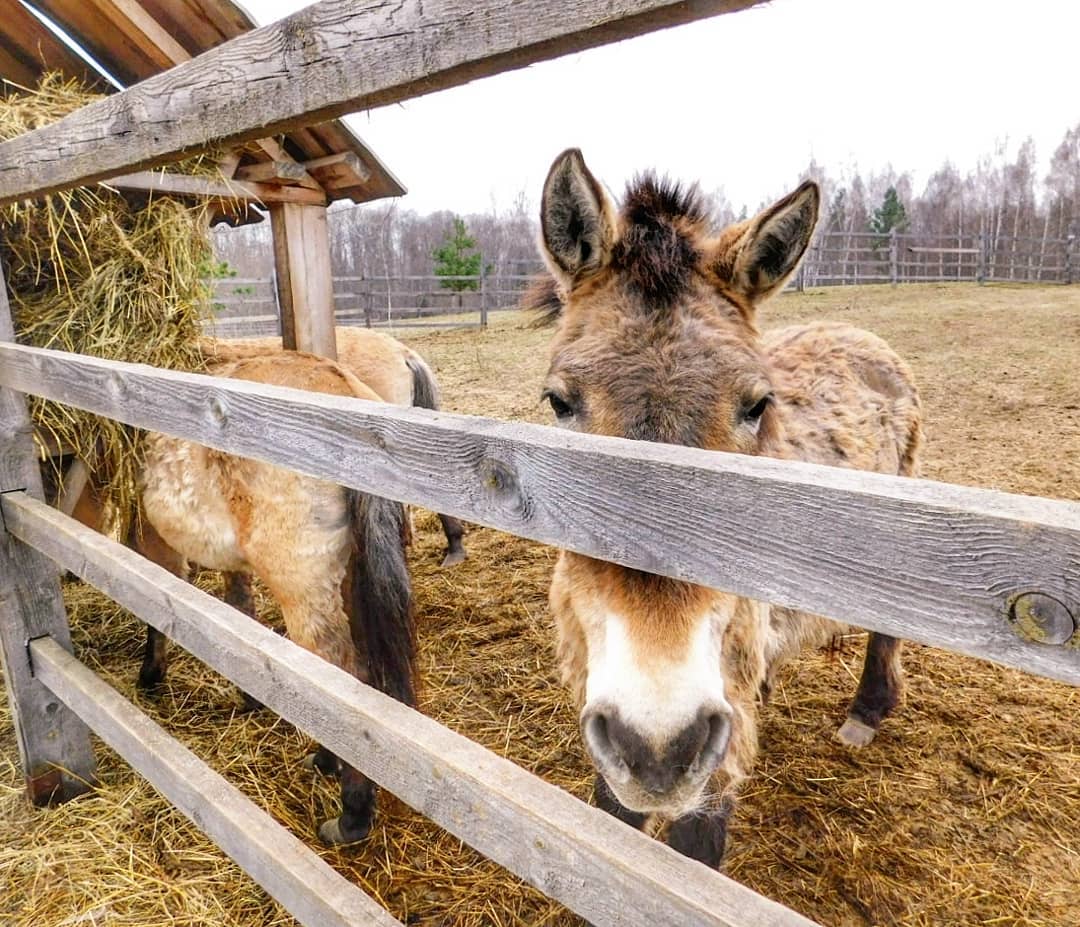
743, 101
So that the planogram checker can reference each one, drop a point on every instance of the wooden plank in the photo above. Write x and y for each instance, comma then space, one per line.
305, 287
338, 171
927, 561
287, 173
579, 855
185, 185
118, 33
32, 49
290, 872
55, 754
329, 59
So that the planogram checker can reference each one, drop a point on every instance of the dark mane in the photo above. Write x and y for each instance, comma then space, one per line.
543, 300
657, 250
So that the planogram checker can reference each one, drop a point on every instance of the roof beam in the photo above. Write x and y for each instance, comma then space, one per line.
326, 60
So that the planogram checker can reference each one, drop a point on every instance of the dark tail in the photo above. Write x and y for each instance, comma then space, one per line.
425, 391
381, 615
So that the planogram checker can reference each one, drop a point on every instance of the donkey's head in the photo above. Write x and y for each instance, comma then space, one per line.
657, 342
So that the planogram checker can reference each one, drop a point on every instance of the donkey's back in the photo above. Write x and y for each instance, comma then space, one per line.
845, 398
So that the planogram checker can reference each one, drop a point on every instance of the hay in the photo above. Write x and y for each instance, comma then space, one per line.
96, 272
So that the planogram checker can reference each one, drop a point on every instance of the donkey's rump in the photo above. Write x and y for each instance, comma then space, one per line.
845, 397
383, 363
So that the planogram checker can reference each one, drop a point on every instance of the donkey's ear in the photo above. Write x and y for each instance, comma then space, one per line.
577, 220
759, 257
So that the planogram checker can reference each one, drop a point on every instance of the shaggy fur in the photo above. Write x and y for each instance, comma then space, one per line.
657, 340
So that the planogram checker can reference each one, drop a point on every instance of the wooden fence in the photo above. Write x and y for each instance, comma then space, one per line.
979, 572
246, 307
249, 306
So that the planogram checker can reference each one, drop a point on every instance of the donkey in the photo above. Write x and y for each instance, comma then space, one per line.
393, 370
333, 558
657, 341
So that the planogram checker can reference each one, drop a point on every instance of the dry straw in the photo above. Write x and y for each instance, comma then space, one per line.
99, 272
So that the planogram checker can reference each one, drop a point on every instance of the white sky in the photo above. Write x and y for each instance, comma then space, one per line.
744, 100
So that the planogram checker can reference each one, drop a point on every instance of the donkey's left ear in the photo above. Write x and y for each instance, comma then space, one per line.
766, 251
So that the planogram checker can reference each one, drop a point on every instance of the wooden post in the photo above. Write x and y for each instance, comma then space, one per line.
980, 268
368, 297
54, 745
1070, 253
483, 298
305, 287
894, 258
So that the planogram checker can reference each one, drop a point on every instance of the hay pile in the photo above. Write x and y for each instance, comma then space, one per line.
97, 272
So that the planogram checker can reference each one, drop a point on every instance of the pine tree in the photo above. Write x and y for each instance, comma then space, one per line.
457, 257
888, 216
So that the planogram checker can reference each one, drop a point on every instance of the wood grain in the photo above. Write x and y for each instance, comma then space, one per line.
305, 286
290, 872
332, 58
49, 736
927, 561
596, 865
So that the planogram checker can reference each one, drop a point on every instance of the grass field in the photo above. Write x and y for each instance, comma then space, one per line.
965, 811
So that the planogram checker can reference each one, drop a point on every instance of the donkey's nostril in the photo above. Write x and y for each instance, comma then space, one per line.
717, 740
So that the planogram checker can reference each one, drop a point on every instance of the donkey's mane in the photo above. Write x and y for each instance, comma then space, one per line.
662, 222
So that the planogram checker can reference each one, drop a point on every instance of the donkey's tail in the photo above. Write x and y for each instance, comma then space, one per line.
425, 391
381, 616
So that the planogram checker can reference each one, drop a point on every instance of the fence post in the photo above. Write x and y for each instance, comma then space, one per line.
980, 267
1070, 253
483, 298
368, 300
894, 276
54, 745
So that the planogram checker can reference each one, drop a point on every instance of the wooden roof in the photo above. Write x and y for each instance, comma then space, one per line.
134, 39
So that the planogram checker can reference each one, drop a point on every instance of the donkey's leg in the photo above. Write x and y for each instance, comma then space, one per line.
702, 835
146, 541
606, 801
879, 691
238, 594
454, 531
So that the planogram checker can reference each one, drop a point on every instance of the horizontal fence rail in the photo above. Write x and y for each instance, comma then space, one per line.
290, 872
329, 59
970, 570
581, 856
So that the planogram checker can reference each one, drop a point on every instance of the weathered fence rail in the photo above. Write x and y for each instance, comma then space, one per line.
932, 562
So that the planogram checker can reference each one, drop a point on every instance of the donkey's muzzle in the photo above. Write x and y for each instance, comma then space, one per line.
627, 758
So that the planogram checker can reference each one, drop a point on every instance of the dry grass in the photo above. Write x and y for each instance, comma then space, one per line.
965, 811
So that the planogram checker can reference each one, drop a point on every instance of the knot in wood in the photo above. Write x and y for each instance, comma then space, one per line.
500, 482
1041, 618
219, 411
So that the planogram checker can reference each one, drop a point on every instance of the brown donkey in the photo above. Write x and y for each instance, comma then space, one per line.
657, 341
395, 371
333, 558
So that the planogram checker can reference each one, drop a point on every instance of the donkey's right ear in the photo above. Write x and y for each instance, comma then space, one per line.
577, 220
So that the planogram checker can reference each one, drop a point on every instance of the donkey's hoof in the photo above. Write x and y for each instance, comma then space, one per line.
150, 680
322, 761
855, 733
334, 834
454, 557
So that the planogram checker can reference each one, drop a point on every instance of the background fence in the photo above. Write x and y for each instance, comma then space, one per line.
248, 306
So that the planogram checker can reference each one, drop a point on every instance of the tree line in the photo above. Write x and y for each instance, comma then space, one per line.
1001, 198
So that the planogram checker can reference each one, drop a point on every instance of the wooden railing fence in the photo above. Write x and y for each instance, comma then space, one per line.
979, 572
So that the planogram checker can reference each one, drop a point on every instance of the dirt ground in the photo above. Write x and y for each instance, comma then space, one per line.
964, 811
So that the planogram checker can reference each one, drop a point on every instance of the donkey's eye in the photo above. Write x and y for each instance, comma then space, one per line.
559, 406
752, 414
